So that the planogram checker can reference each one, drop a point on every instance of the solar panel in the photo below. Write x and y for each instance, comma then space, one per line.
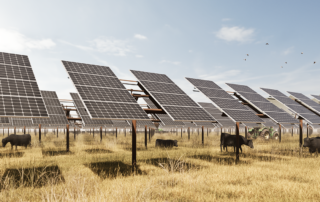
86, 120
142, 124
4, 120
317, 97
178, 105
21, 122
120, 123
306, 102
234, 109
102, 93
217, 114
56, 113
205, 124
19, 91
297, 108
262, 104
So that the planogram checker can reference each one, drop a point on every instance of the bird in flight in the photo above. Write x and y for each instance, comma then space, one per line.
301, 53
281, 66
286, 62
247, 54
314, 62
245, 59
267, 43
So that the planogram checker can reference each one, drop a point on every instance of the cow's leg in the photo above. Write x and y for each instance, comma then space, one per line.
240, 149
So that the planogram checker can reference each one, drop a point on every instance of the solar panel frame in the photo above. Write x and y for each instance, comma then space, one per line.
19, 92
181, 107
95, 77
238, 111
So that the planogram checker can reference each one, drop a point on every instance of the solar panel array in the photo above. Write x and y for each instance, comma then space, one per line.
164, 118
306, 101
120, 123
303, 112
86, 119
217, 114
102, 93
19, 92
205, 124
56, 113
262, 104
176, 103
224, 101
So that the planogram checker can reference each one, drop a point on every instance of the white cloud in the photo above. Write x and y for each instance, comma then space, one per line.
235, 34
226, 19
139, 36
102, 44
170, 62
139, 56
11, 40
288, 50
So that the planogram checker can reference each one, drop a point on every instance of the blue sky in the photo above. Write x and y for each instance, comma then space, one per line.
199, 39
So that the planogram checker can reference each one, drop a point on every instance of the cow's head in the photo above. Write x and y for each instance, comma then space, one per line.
4, 142
306, 142
175, 143
250, 144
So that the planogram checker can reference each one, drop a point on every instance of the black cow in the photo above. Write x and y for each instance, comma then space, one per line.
313, 144
232, 141
166, 143
17, 140
222, 138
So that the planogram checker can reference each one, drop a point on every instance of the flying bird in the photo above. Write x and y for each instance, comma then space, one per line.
314, 62
245, 59
281, 66
267, 43
247, 54
286, 62
301, 53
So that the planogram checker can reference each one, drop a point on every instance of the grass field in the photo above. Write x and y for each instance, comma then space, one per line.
95, 171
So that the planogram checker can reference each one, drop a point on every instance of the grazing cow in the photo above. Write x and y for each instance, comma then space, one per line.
222, 138
17, 140
232, 141
313, 144
166, 143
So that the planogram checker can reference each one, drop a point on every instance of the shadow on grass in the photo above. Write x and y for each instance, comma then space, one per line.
56, 152
31, 177
11, 154
112, 169
219, 160
173, 164
62, 144
97, 150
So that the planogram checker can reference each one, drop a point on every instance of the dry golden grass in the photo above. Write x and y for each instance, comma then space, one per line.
95, 171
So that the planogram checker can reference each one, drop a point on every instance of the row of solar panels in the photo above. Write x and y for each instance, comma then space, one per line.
102, 97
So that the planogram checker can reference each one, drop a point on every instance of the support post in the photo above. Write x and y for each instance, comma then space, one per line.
67, 138
207, 132
181, 132
292, 132
57, 131
202, 135
100, 133
237, 141
74, 133
146, 136
280, 132
134, 144
14, 130
149, 134
307, 130
300, 133
93, 132
105, 132
39, 132
188, 133
24, 130
116, 132
246, 132
125, 132
8, 131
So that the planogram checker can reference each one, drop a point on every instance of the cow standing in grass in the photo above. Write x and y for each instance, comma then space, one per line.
166, 143
222, 138
17, 140
231, 141
313, 144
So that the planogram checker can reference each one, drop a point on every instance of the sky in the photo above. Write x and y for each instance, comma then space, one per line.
198, 39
